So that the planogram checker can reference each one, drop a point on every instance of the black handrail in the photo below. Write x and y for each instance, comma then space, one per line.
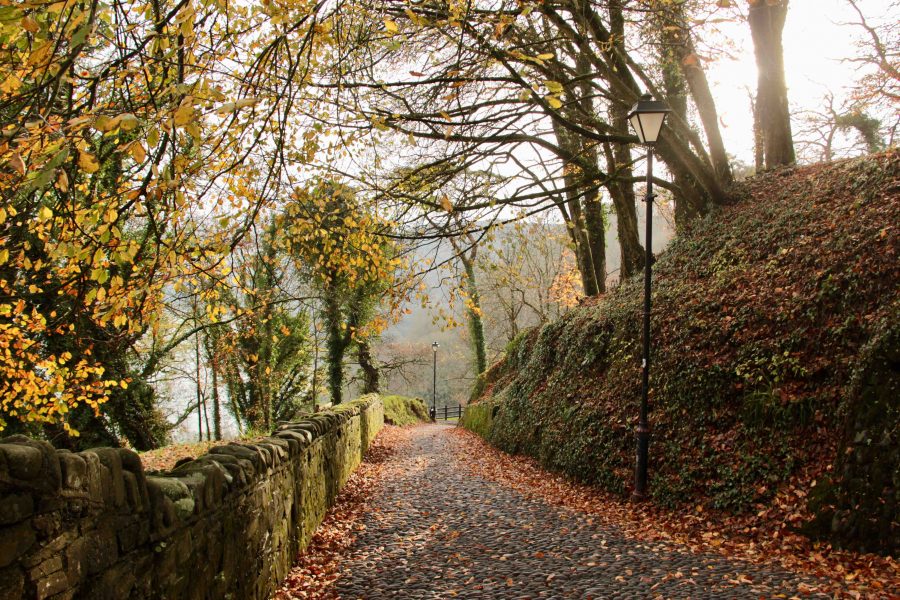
449, 412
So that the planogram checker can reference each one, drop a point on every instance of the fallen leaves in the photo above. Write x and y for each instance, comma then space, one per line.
756, 538
319, 566
165, 458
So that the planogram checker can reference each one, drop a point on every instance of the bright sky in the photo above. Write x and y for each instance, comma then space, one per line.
814, 42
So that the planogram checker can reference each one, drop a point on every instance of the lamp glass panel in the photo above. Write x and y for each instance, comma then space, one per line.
636, 125
651, 123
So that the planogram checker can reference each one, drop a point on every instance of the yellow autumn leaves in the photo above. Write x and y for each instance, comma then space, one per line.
342, 244
87, 162
124, 125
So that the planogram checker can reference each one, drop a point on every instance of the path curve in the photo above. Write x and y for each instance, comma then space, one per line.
435, 530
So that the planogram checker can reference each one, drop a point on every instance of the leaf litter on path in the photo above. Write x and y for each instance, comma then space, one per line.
319, 566
845, 574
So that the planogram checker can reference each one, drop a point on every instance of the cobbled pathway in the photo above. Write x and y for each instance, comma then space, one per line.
436, 531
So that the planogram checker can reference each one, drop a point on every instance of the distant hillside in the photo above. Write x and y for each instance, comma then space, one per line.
776, 362
413, 334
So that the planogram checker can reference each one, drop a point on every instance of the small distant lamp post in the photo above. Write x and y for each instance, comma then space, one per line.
434, 347
646, 118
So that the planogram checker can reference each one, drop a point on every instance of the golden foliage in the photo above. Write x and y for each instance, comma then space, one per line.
126, 148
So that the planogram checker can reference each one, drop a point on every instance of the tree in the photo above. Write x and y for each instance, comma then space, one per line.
341, 247
465, 234
772, 115
260, 337
212, 360
680, 60
524, 84
466, 252
370, 368
879, 56
878, 61
529, 277
122, 137
838, 131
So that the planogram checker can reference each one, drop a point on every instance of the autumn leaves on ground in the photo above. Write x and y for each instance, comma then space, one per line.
756, 549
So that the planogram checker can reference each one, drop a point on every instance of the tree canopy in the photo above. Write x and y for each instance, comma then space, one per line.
246, 176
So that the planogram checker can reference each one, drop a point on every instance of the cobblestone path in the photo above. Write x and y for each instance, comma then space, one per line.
436, 531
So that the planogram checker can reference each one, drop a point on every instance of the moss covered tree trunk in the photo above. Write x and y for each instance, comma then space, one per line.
677, 94
136, 416
208, 346
596, 226
621, 190
679, 59
581, 229
371, 374
335, 346
590, 177
473, 317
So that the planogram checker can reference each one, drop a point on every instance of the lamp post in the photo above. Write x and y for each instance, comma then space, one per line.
434, 347
646, 118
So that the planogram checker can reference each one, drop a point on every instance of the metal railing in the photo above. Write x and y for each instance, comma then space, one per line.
446, 413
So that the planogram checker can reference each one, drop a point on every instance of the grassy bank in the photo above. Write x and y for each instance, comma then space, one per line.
402, 411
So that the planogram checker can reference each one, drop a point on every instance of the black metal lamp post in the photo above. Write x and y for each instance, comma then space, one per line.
646, 118
434, 347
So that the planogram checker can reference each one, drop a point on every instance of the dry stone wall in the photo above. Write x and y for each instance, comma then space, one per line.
228, 524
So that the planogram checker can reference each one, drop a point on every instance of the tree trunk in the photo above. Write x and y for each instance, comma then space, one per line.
591, 176
621, 190
265, 364
578, 231
759, 153
237, 391
766, 19
618, 159
371, 376
473, 315
199, 392
206, 420
134, 411
676, 92
216, 401
335, 346
217, 407
596, 227
677, 37
315, 373
574, 179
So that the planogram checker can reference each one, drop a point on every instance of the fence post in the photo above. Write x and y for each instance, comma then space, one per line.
445, 412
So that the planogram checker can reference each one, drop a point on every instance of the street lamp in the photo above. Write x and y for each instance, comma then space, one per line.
434, 347
646, 118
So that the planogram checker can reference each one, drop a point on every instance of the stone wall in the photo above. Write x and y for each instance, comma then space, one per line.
229, 524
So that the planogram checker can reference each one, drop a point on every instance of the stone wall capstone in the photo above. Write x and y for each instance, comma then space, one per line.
227, 525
